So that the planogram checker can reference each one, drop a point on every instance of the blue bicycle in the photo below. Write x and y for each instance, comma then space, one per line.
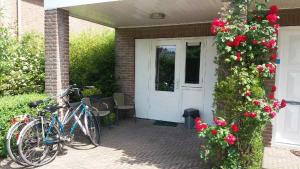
40, 140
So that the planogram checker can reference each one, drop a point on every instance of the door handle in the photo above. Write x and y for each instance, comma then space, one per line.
292, 102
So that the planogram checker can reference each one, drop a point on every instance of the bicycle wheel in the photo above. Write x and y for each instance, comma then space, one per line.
92, 128
11, 142
32, 146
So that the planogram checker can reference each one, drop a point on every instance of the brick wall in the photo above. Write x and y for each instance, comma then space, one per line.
125, 49
56, 50
32, 17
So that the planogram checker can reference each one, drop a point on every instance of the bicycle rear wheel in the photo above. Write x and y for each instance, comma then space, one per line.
11, 142
33, 148
92, 128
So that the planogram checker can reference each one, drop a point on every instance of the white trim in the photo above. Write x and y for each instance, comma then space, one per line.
175, 24
53, 4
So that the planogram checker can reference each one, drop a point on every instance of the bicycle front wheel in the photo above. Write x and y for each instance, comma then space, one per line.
34, 148
11, 142
92, 128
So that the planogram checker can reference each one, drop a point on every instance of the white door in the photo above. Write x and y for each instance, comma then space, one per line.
288, 81
164, 81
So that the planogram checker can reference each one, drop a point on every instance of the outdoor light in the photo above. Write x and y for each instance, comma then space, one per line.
157, 15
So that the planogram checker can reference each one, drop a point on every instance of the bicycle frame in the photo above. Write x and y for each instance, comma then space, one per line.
82, 107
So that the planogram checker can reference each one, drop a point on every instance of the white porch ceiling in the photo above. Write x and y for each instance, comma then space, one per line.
136, 13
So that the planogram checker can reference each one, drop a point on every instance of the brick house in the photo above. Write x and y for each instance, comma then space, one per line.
165, 56
28, 15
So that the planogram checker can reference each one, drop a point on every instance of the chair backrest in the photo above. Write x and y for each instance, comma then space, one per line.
119, 99
107, 101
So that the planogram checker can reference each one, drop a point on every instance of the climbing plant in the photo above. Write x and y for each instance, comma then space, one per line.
246, 41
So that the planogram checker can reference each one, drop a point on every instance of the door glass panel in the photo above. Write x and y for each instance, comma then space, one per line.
165, 68
192, 63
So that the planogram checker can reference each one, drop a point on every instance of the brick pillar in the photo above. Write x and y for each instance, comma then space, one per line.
124, 68
56, 50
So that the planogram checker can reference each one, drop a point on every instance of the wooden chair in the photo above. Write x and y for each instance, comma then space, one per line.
124, 102
102, 107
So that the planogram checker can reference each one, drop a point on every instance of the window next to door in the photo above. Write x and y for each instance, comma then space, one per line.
165, 68
192, 63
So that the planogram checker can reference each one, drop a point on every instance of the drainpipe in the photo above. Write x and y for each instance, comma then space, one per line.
19, 18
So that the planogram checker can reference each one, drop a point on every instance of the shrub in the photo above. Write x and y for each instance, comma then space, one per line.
10, 106
22, 63
247, 46
92, 60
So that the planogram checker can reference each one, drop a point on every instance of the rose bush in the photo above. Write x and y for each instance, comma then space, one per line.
247, 47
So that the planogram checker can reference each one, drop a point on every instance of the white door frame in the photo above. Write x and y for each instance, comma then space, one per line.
207, 79
279, 94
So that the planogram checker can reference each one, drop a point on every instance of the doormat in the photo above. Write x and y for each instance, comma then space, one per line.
164, 123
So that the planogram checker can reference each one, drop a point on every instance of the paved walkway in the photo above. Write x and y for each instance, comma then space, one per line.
145, 146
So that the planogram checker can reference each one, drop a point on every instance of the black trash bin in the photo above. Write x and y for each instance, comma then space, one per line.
189, 116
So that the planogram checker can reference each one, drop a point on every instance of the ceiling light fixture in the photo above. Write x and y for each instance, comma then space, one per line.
157, 15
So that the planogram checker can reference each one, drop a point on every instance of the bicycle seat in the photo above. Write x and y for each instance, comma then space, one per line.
35, 104
52, 108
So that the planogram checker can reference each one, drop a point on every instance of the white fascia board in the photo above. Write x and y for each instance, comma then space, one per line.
53, 4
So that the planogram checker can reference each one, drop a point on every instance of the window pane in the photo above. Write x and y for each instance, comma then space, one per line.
165, 68
192, 63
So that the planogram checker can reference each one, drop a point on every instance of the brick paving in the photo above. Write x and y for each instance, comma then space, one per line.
145, 146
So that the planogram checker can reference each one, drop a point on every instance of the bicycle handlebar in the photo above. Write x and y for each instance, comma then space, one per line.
73, 88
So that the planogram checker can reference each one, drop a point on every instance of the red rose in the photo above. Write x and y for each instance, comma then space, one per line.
238, 56
216, 23
273, 56
273, 10
238, 39
247, 93
272, 114
276, 27
272, 18
220, 122
230, 139
252, 115
254, 42
275, 104
213, 30
267, 109
271, 96
253, 28
247, 114
197, 120
283, 103
229, 43
234, 127
214, 132
256, 102
200, 127
273, 88
271, 67
259, 68
271, 44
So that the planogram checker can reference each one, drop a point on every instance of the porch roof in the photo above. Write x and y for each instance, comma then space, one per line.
136, 13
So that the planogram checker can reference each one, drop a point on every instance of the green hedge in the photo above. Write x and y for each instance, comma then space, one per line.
21, 63
10, 106
92, 60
